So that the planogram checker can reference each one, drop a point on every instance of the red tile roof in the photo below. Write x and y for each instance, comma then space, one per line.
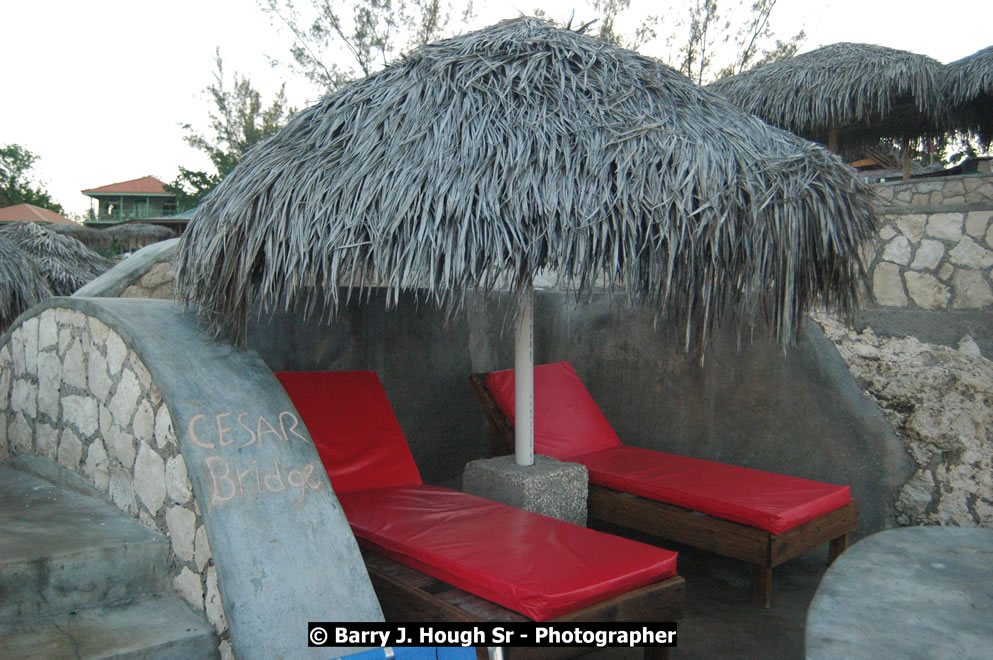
31, 213
146, 185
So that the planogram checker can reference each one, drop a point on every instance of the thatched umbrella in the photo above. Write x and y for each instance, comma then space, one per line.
136, 235
478, 161
95, 239
968, 90
22, 284
65, 263
118, 238
844, 95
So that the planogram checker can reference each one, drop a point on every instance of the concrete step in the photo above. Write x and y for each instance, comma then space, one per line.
153, 627
61, 550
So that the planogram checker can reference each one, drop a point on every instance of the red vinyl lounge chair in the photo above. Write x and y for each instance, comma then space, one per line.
436, 554
760, 517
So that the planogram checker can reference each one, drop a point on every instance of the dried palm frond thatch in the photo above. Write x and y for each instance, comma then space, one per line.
968, 90
95, 239
22, 284
65, 263
480, 160
134, 236
117, 239
864, 92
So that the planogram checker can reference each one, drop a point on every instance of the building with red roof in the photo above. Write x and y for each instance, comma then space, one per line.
32, 213
136, 199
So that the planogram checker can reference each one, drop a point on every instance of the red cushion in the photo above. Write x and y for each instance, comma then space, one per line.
532, 564
569, 426
567, 421
769, 501
353, 427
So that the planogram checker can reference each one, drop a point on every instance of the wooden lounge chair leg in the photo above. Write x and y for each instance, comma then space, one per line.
836, 547
761, 584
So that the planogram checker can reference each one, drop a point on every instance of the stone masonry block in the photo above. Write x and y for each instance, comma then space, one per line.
887, 286
549, 487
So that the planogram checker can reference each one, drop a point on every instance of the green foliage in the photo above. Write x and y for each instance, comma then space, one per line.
16, 187
191, 186
949, 150
238, 121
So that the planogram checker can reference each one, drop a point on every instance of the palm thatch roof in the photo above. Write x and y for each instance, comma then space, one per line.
135, 235
22, 284
968, 90
65, 263
865, 92
476, 162
118, 238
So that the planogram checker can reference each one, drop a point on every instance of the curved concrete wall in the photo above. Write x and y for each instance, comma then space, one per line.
200, 443
148, 273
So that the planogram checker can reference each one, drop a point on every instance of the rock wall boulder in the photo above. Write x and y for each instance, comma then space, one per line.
940, 401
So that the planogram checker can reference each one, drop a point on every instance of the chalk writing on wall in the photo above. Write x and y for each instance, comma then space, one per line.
233, 476
246, 433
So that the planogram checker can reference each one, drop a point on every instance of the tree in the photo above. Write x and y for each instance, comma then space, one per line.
16, 187
709, 32
748, 32
238, 122
342, 40
191, 186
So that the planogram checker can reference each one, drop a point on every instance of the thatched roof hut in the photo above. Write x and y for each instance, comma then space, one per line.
22, 284
968, 90
476, 162
844, 95
65, 263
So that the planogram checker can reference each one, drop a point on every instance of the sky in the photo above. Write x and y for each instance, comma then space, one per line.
98, 90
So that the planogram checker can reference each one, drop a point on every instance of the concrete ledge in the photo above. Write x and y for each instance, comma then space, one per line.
549, 487
932, 210
921, 592
112, 283
945, 326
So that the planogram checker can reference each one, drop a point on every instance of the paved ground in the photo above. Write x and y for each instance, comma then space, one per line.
721, 622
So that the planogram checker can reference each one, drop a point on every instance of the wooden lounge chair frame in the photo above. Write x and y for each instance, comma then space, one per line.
406, 594
761, 549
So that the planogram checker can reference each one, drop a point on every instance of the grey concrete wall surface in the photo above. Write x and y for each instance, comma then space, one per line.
946, 327
283, 551
797, 412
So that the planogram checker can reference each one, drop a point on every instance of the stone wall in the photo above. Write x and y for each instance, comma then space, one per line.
936, 244
939, 191
198, 441
940, 401
73, 392
148, 273
157, 283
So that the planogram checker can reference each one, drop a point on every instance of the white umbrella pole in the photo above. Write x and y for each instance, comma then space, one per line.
524, 382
